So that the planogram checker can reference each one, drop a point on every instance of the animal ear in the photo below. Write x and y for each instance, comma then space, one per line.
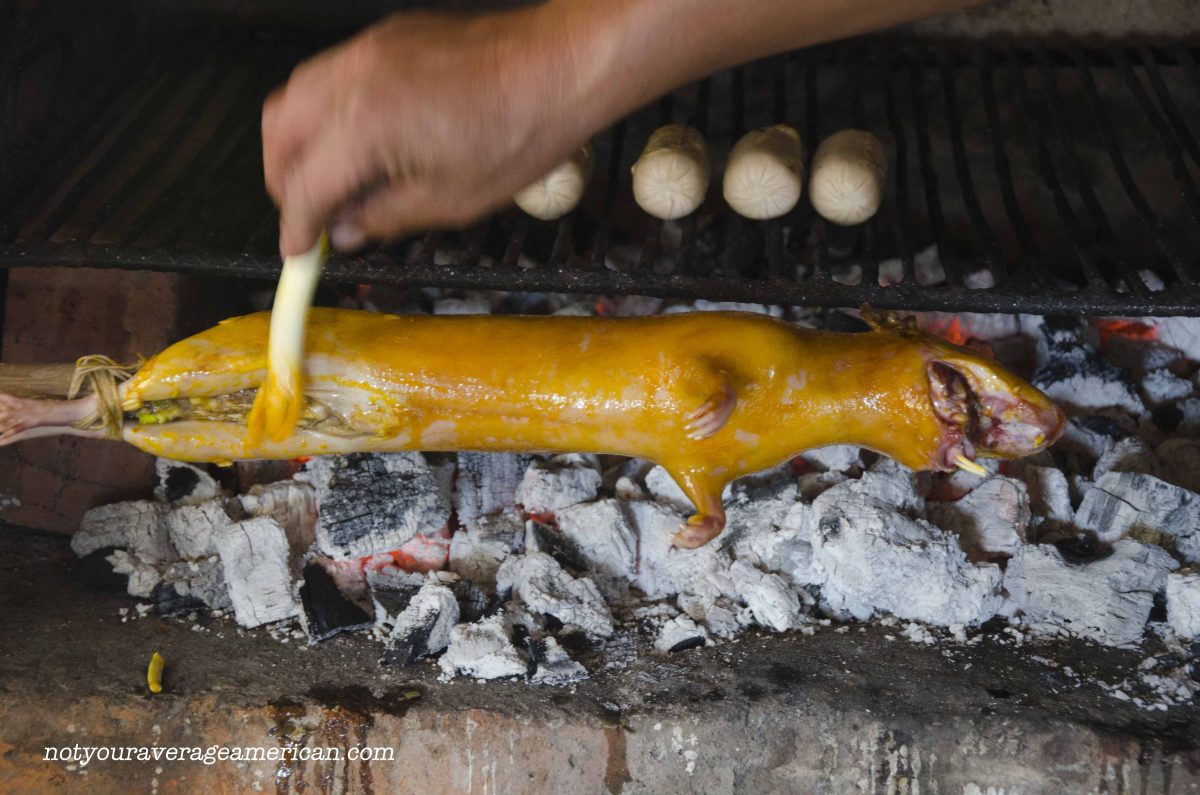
949, 392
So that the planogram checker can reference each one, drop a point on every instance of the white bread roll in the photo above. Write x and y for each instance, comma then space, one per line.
559, 192
765, 174
671, 176
848, 171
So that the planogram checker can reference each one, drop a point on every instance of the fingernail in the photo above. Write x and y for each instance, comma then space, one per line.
346, 236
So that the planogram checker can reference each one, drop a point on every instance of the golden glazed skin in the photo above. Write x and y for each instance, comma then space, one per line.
711, 397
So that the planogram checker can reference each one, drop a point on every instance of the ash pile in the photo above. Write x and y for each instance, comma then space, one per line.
546, 568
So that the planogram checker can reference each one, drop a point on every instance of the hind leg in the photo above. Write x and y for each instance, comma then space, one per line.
709, 520
25, 418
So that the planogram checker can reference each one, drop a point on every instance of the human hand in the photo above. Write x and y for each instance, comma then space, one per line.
422, 121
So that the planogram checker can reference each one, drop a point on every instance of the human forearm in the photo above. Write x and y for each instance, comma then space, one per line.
625, 53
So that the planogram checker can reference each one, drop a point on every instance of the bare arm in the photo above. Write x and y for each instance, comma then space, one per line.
428, 120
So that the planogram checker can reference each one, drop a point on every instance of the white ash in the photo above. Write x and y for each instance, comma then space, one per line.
293, 506
1163, 386
542, 585
424, 626
702, 305
990, 520
481, 650
787, 549
180, 483
486, 483
871, 559
918, 634
1181, 462
254, 559
373, 503
1049, 493
1080, 380
477, 551
1107, 600
191, 527
138, 526
772, 603
664, 570
470, 305
548, 486
679, 633
1181, 334
1183, 604
554, 666
203, 580
143, 575
1122, 503
604, 536
833, 458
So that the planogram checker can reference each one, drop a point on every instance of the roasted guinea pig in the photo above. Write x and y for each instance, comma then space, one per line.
711, 397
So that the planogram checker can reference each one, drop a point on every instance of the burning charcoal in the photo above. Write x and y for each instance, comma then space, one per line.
481, 651
181, 483
293, 506
562, 481
1090, 436
1125, 502
372, 503
1181, 462
788, 549
1139, 356
542, 537
1131, 454
871, 559
991, 520
1163, 386
554, 666
423, 627
1186, 417
1080, 380
139, 527
680, 633
834, 458
143, 575
753, 515
1049, 494
487, 484
664, 570
193, 581
477, 551
773, 604
254, 558
888, 484
961, 327
814, 484
1183, 604
191, 527
473, 603
543, 587
327, 611
604, 536
1106, 600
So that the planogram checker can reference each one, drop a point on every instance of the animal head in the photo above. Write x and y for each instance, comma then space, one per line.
986, 411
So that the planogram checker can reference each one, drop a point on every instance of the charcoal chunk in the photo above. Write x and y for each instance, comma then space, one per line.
327, 611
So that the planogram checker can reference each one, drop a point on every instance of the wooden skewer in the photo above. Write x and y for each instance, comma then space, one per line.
36, 380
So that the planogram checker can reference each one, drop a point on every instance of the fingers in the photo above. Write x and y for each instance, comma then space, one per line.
328, 174
397, 209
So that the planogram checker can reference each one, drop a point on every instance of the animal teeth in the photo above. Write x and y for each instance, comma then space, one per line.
967, 465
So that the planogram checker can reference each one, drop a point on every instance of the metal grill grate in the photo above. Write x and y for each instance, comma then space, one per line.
1024, 179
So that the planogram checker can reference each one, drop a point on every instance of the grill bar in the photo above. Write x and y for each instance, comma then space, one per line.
162, 171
